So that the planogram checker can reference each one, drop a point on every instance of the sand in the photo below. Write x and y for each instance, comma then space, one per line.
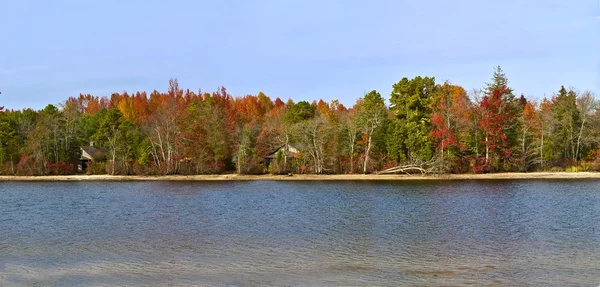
232, 177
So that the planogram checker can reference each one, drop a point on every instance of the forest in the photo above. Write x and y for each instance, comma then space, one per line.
422, 127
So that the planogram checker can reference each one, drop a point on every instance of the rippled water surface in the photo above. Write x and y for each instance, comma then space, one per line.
454, 233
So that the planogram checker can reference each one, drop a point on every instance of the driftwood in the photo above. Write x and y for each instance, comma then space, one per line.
408, 169
434, 166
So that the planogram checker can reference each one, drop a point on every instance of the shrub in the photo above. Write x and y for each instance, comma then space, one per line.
120, 168
60, 168
26, 166
145, 169
8, 168
96, 168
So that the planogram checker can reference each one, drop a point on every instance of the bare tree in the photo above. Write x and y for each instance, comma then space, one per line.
587, 106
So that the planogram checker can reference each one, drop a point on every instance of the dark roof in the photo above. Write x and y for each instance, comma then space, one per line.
273, 154
96, 153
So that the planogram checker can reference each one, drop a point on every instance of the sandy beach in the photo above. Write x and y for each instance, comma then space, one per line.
233, 177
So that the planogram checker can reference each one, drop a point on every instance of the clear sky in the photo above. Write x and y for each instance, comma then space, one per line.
304, 50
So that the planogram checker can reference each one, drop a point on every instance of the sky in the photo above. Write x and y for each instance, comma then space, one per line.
304, 49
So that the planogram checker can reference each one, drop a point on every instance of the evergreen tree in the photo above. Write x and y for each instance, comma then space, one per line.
408, 136
566, 121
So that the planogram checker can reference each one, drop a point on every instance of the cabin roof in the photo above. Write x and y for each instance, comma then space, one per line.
93, 153
290, 149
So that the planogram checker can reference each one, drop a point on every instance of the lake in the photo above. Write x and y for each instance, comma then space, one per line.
308, 233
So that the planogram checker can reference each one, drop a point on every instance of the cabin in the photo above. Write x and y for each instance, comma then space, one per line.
272, 156
89, 154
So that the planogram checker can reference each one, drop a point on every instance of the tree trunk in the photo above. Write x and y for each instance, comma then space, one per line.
285, 150
448, 129
114, 156
352, 140
367, 153
542, 150
572, 146
442, 151
577, 151
352, 159
487, 151
523, 155
316, 155
162, 148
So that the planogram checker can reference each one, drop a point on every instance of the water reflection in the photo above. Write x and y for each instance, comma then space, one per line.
453, 233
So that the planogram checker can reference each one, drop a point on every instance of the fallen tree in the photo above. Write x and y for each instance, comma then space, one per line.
407, 169
433, 166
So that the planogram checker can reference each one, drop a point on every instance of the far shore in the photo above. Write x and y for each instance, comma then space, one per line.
314, 177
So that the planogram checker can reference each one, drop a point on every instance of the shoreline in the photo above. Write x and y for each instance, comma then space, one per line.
312, 177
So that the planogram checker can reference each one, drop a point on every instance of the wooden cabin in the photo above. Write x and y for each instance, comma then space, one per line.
89, 154
272, 156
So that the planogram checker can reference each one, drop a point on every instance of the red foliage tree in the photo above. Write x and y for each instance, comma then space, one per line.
450, 119
495, 120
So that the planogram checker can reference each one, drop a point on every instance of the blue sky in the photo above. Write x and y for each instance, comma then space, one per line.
303, 49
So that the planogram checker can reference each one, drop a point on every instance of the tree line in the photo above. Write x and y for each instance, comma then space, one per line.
426, 127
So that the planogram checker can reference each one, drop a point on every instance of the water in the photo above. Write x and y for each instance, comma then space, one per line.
452, 233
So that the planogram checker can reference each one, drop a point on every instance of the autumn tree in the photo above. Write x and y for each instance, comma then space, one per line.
274, 133
349, 130
546, 122
190, 132
220, 126
313, 135
530, 133
250, 111
494, 124
511, 110
163, 131
450, 122
194, 137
